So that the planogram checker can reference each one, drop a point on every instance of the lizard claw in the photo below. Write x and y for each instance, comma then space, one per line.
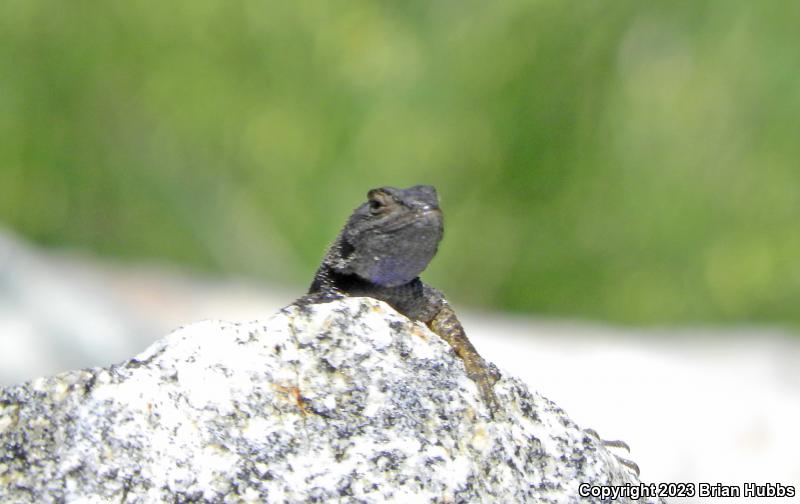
630, 464
616, 444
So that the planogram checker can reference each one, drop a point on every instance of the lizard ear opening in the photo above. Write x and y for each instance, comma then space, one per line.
378, 200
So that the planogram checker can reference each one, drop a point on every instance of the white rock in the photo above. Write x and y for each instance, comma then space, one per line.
345, 401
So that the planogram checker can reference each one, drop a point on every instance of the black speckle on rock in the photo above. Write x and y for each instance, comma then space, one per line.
136, 363
324, 413
88, 385
388, 460
345, 486
189, 497
327, 366
14, 451
318, 494
252, 336
431, 461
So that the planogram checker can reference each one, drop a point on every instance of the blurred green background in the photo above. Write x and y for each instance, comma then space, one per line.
626, 161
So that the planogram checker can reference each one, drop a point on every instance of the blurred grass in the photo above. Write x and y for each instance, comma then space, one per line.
628, 161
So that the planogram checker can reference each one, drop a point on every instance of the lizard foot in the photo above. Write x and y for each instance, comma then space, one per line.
630, 464
485, 376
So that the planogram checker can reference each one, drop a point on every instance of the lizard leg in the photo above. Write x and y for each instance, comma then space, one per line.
446, 325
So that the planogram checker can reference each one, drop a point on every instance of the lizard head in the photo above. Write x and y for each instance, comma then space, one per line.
391, 238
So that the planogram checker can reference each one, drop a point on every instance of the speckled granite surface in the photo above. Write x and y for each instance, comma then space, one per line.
346, 401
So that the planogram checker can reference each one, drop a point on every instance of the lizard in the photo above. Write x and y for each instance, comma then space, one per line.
383, 248
381, 251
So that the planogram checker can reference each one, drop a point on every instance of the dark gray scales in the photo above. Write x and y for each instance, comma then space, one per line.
381, 251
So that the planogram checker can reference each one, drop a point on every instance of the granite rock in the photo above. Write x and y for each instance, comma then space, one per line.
347, 401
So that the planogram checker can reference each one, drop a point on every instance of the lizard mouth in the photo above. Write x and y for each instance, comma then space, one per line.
428, 210
428, 216
432, 215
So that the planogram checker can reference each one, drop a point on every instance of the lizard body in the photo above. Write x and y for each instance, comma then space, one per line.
384, 246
